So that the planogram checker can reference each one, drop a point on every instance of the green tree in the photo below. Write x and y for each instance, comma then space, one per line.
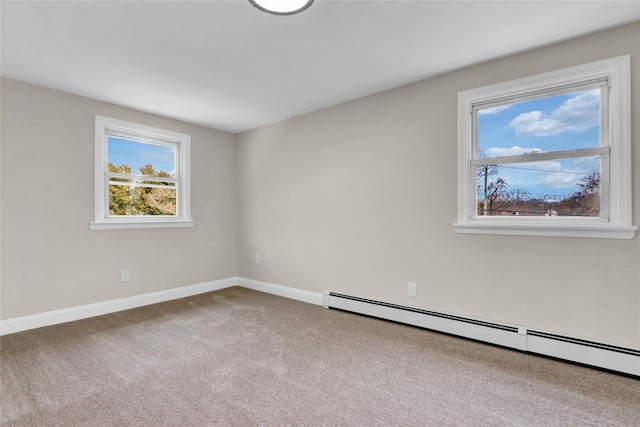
135, 200
158, 201
119, 195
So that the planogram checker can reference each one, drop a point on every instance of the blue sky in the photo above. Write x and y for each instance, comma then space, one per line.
137, 154
563, 122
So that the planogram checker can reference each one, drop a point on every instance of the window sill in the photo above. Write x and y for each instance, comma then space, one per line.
548, 230
116, 225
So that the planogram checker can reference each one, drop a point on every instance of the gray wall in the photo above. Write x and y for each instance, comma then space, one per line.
360, 198
50, 258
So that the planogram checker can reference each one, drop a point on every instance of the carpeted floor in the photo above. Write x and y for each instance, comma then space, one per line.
242, 358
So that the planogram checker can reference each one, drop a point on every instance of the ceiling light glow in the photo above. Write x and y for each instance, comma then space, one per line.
282, 7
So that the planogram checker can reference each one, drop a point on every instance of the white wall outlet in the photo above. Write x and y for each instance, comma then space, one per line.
411, 289
257, 259
124, 275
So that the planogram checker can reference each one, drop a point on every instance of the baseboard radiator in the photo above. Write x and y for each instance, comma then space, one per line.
605, 356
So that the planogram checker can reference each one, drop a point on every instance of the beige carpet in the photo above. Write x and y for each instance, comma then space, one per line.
244, 358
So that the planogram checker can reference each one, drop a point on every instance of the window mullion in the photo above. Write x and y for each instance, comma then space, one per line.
612, 78
542, 92
142, 177
158, 208
141, 137
473, 174
538, 157
138, 184
106, 213
605, 186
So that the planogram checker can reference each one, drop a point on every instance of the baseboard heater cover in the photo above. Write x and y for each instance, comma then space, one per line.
605, 356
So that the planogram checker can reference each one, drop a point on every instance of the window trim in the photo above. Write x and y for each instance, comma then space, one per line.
102, 219
619, 223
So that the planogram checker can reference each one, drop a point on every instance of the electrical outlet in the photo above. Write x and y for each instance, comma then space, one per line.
124, 275
257, 259
411, 289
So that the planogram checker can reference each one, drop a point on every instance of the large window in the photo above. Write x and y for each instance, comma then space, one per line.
548, 155
141, 177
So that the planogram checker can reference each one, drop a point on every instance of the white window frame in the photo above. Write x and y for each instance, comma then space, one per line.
616, 214
102, 220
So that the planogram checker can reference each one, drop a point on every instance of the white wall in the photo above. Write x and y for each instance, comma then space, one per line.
50, 258
360, 198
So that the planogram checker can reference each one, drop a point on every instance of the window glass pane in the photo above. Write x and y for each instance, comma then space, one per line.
556, 123
140, 157
127, 200
565, 187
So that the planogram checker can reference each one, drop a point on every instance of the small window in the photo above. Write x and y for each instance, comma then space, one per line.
548, 155
142, 176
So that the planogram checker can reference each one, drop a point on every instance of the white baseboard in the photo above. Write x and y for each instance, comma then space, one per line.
587, 353
601, 355
55, 317
283, 291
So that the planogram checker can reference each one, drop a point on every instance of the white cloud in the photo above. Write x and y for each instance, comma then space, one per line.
577, 114
559, 180
493, 110
573, 171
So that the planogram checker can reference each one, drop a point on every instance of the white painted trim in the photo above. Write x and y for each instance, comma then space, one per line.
602, 358
516, 337
283, 291
121, 225
449, 326
102, 221
555, 229
325, 298
618, 224
55, 317
18, 324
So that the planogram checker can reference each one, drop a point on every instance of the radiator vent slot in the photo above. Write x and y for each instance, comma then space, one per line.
427, 312
587, 343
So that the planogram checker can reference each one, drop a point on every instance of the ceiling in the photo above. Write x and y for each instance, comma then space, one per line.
229, 66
